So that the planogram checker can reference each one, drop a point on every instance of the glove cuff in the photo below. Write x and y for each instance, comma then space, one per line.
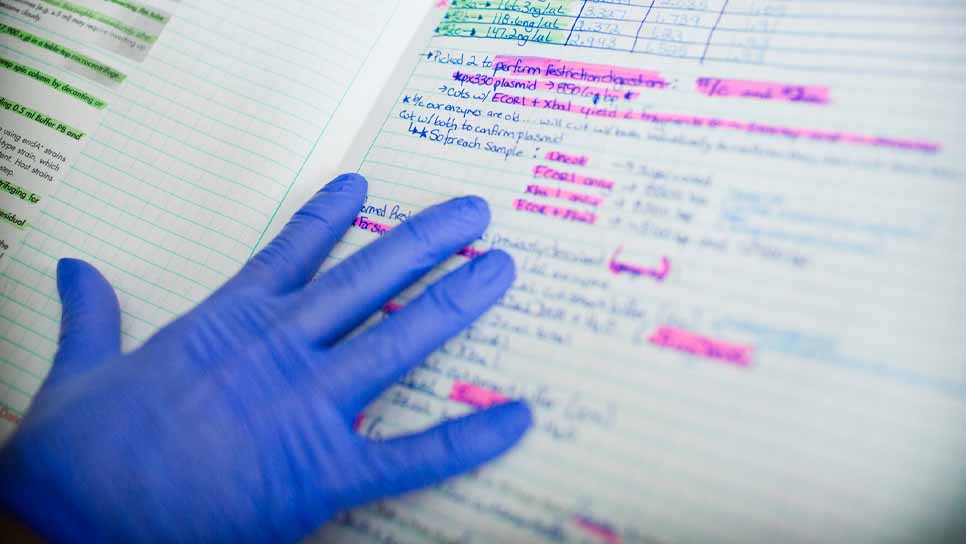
37, 504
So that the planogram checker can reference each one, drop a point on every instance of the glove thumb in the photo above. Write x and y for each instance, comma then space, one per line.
90, 324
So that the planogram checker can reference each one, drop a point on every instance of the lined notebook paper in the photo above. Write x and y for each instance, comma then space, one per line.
203, 126
737, 225
740, 238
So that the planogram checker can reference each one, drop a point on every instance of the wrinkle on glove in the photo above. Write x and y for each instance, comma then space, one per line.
233, 423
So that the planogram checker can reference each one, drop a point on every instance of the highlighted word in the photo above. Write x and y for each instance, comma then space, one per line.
701, 346
605, 533
553, 211
551, 192
470, 252
542, 171
579, 71
474, 395
364, 223
762, 90
8, 415
575, 160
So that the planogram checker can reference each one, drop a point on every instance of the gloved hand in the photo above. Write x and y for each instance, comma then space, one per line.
233, 423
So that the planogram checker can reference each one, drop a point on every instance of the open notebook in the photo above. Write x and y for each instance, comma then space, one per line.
738, 225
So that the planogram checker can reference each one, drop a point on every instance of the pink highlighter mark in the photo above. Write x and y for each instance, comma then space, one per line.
713, 122
574, 160
762, 90
701, 346
357, 423
470, 252
552, 192
578, 71
597, 529
566, 214
532, 84
659, 274
541, 171
474, 395
364, 223
391, 307
496, 82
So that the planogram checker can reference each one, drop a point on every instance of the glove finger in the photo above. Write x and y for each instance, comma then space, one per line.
90, 325
451, 448
355, 289
290, 260
359, 369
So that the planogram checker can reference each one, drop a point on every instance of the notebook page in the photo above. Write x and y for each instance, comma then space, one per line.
328, 157
739, 237
195, 119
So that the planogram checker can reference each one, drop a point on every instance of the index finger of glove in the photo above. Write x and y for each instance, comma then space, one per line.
290, 260
355, 289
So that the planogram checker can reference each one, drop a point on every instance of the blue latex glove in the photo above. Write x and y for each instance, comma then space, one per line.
234, 422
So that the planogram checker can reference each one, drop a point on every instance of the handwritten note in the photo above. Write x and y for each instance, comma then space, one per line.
737, 227
762, 90
701, 346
